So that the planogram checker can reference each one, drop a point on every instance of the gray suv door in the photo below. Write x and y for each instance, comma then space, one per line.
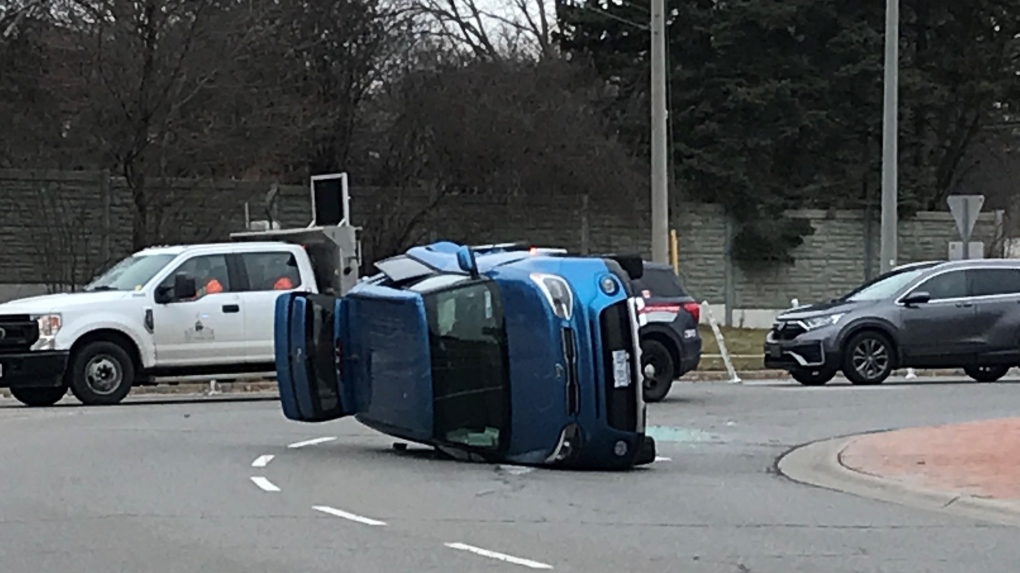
996, 296
945, 330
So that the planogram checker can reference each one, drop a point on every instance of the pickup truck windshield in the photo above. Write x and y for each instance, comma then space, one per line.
470, 379
130, 273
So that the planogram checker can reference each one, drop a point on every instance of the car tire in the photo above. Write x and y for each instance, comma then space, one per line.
655, 353
813, 376
101, 374
38, 397
986, 373
868, 358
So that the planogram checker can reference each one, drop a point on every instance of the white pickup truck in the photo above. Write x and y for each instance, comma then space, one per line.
171, 311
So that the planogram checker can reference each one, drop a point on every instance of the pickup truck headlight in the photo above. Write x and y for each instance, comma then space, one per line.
49, 324
557, 292
820, 321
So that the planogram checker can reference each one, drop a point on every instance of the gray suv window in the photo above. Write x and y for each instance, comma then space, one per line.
952, 284
991, 282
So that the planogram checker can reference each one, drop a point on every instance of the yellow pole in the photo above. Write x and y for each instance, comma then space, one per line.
674, 254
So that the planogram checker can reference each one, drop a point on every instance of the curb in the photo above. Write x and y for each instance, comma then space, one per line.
818, 464
181, 389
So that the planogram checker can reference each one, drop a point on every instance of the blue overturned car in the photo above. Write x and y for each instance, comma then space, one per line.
501, 354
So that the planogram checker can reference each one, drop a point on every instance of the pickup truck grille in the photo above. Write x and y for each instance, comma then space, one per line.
17, 333
621, 403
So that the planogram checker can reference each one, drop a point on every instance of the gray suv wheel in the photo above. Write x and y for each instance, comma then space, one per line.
868, 358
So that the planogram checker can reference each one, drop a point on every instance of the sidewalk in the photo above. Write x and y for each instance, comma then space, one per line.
978, 459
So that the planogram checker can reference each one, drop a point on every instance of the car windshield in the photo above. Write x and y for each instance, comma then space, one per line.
885, 285
470, 377
130, 273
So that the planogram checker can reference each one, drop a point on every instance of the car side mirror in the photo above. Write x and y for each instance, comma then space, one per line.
184, 286
162, 295
918, 297
466, 261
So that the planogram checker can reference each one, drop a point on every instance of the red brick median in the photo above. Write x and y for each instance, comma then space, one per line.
978, 458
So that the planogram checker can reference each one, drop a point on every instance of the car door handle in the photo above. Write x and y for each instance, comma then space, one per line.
230, 308
964, 304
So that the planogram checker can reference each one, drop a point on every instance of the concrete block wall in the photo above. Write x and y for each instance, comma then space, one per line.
59, 227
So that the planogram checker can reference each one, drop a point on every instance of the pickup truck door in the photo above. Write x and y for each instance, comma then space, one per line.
206, 330
267, 274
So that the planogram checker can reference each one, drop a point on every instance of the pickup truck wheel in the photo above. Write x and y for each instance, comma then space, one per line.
102, 374
38, 397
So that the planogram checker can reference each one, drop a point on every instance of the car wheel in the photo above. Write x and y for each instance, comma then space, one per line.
868, 358
986, 373
102, 374
655, 354
38, 397
813, 376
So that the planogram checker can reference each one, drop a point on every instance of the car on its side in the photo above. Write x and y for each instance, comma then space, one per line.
939, 314
670, 341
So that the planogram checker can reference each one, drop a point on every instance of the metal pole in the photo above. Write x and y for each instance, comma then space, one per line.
966, 239
660, 190
890, 134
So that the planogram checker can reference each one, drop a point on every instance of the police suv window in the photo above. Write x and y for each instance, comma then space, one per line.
991, 282
271, 271
661, 283
952, 284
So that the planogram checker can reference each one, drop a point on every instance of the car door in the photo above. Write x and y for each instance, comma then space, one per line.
996, 296
945, 330
205, 330
267, 275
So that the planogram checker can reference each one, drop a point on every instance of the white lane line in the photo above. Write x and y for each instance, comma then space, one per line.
349, 516
663, 459
262, 461
499, 556
264, 484
311, 442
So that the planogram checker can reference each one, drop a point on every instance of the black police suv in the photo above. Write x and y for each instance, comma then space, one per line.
959, 314
670, 342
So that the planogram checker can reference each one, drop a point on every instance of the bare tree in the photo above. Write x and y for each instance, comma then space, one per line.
500, 29
147, 64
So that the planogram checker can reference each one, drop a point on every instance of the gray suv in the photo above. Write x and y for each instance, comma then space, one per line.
923, 315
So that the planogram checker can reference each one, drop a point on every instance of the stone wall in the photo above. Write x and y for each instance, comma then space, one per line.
58, 228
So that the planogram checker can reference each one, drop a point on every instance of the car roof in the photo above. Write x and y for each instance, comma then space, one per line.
991, 263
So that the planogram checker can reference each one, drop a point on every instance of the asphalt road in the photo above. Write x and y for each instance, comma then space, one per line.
213, 486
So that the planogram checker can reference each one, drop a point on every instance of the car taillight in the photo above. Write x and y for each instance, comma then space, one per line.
694, 309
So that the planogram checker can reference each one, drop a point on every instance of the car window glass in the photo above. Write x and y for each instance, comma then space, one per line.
990, 282
210, 272
661, 283
271, 271
467, 344
946, 285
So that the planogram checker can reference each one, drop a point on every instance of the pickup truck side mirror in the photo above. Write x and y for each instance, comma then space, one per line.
916, 297
184, 286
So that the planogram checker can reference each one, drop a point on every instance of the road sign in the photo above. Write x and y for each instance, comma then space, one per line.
965, 210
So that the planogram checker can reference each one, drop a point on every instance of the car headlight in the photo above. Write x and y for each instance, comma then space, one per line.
820, 321
48, 324
557, 292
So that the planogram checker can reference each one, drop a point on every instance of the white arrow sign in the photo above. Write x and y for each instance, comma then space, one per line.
965, 210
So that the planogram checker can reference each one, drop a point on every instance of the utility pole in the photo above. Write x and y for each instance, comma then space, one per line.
660, 181
890, 134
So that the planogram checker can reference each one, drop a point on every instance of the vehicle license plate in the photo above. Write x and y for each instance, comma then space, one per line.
621, 370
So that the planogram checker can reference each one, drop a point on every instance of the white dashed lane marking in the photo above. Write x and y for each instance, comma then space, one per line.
498, 556
264, 484
347, 515
311, 442
262, 461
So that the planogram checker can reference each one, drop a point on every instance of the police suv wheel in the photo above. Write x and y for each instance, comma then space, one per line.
868, 358
655, 354
813, 377
986, 373
102, 374
38, 397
